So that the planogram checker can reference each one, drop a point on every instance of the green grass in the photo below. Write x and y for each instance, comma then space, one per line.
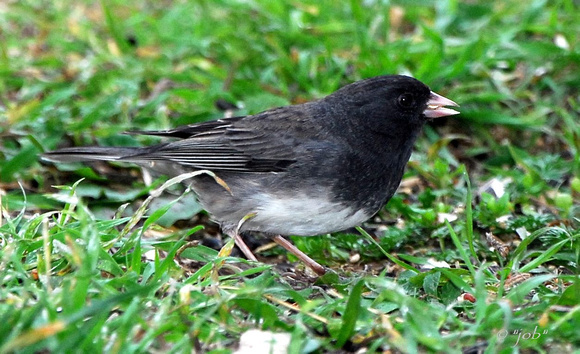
85, 268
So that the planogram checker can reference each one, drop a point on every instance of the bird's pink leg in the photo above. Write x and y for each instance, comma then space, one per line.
243, 247
311, 263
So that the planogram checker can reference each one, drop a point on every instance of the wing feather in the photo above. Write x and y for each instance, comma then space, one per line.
259, 143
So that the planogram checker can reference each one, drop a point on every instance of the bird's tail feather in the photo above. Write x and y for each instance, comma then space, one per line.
90, 153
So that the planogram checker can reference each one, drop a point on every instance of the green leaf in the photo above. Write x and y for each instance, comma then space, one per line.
261, 312
571, 295
456, 279
431, 282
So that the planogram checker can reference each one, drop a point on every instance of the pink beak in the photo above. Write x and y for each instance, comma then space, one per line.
436, 106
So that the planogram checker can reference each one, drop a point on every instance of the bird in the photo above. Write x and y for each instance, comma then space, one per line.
300, 170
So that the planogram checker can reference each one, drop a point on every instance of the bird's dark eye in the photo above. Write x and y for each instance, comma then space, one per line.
406, 100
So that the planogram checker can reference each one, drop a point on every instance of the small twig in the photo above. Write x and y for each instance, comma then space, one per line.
295, 308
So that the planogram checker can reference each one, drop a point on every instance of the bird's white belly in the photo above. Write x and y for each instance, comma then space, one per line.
301, 215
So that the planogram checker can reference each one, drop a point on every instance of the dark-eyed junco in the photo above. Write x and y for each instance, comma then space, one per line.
306, 169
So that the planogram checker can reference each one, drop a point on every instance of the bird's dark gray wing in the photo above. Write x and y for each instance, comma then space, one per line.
265, 142
188, 131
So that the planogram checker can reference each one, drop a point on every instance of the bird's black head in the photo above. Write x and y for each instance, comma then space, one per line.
392, 105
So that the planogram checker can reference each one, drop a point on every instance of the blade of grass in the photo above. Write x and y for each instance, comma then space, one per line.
544, 257
519, 293
390, 257
459, 247
111, 21
469, 214
350, 314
